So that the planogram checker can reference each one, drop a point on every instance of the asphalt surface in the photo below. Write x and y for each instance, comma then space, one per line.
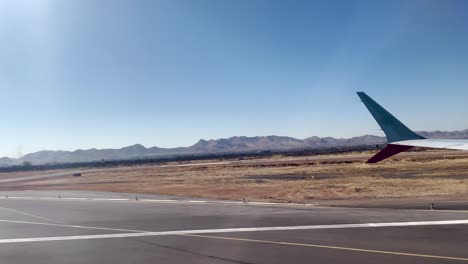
93, 227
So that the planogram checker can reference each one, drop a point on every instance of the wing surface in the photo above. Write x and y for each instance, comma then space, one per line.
461, 144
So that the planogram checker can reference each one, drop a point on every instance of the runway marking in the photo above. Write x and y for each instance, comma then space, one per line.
233, 230
156, 201
110, 199
73, 226
331, 247
203, 202
159, 200
24, 213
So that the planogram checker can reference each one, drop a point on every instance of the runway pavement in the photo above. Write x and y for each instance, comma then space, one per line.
94, 227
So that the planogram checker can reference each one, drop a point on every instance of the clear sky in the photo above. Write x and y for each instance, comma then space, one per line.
107, 74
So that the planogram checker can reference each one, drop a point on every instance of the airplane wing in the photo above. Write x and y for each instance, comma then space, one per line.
399, 137
461, 144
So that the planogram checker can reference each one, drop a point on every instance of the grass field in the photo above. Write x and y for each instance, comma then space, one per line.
285, 179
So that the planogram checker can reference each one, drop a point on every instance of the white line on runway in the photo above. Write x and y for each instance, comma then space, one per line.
156, 201
234, 230
72, 226
24, 213
109, 199
362, 250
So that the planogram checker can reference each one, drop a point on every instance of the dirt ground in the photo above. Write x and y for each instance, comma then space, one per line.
436, 174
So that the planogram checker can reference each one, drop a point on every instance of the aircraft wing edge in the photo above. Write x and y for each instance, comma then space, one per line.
457, 144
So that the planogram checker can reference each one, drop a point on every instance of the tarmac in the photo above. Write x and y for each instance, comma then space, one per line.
94, 227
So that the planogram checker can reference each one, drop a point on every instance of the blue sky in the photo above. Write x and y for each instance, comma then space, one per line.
106, 74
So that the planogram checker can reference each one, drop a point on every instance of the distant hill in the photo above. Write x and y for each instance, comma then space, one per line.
444, 134
224, 145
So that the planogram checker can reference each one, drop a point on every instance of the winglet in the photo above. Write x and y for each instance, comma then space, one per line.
392, 127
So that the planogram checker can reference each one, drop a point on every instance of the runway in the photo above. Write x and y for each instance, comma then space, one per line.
93, 227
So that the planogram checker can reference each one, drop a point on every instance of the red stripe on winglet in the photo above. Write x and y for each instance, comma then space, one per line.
387, 152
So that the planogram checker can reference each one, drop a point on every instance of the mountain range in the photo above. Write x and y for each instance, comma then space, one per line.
224, 145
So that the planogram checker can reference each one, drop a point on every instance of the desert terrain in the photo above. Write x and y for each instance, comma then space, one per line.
430, 175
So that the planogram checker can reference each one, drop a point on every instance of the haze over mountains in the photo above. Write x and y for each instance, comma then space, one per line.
229, 145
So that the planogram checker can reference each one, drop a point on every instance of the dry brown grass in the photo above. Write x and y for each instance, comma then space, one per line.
299, 179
